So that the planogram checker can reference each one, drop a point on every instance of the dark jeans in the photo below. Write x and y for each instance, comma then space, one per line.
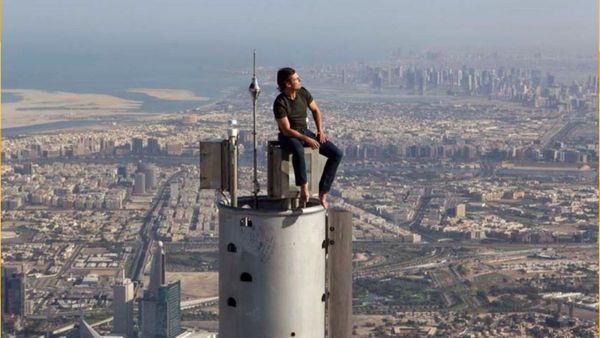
327, 149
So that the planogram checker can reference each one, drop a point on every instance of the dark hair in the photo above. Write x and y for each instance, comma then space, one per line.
283, 76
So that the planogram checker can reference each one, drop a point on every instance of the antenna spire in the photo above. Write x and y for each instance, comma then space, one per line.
254, 90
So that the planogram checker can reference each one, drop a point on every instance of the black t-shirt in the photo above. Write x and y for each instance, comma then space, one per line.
295, 109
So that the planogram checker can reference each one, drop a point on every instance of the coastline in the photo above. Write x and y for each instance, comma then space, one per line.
40, 110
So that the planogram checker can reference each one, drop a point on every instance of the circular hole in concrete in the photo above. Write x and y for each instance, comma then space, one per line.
246, 277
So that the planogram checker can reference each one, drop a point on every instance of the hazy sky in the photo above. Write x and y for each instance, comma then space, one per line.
143, 33
308, 27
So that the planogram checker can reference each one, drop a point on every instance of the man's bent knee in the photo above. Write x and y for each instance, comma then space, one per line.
337, 155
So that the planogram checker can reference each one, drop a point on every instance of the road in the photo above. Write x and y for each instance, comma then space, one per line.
49, 284
147, 233
415, 223
562, 133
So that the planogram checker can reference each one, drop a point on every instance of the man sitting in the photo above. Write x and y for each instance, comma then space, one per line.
290, 112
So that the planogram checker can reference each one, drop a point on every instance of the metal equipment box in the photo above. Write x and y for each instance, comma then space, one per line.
213, 165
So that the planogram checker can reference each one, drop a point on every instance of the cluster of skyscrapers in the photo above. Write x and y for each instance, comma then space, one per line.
555, 152
159, 311
145, 178
86, 146
531, 87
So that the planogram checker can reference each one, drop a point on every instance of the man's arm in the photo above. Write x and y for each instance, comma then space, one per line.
316, 112
284, 126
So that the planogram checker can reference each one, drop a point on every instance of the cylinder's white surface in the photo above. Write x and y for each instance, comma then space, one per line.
283, 253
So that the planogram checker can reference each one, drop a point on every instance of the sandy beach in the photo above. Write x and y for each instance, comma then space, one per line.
39, 106
169, 94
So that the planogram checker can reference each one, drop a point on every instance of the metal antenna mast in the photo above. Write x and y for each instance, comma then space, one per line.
254, 90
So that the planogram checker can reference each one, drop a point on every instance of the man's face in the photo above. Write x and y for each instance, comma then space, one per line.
295, 81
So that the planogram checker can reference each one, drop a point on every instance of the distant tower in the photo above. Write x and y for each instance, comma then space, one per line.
160, 308
13, 291
158, 273
571, 308
153, 147
122, 171
150, 175
123, 295
137, 146
558, 309
139, 185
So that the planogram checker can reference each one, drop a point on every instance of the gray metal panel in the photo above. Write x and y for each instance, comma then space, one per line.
339, 274
212, 171
283, 252
273, 156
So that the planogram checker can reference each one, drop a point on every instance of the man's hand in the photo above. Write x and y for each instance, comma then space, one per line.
312, 143
322, 137
318, 122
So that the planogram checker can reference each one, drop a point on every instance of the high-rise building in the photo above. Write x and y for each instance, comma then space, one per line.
153, 147
107, 146
139, 185
122, 171
13, 291
137, 146
458, 210
123, 296
160, 308
150, 175
36, 150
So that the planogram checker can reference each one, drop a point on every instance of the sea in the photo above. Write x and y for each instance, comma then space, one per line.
103, 73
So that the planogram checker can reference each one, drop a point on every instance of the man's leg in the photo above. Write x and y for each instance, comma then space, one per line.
296, 147
334, 157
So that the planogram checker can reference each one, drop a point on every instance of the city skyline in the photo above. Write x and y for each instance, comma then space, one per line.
469, 132
111, 46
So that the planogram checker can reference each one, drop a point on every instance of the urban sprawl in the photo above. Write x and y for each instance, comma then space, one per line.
473, 190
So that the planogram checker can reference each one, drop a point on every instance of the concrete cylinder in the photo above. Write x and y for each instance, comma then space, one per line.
150, 173
139, 185
271, 270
